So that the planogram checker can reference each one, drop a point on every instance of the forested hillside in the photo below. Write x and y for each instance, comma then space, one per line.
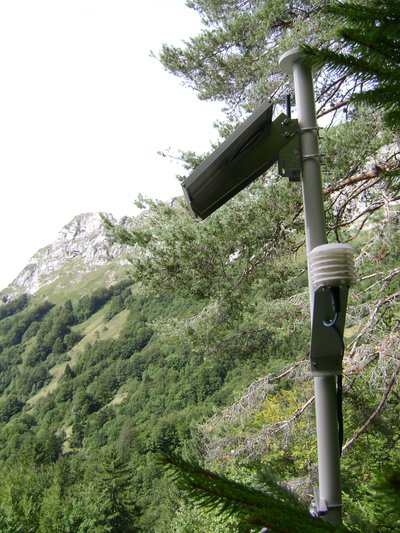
202, 352
91, 390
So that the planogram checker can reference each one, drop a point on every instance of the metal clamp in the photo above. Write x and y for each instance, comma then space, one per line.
289, 159
310, 128
312, 156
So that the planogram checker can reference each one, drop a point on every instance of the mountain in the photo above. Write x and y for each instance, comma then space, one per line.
92, 387
81, 248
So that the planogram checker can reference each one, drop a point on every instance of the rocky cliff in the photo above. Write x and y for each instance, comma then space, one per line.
81, 247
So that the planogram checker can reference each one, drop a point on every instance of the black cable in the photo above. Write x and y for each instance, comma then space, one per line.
288, 106
335, 300
339, 403
335, 296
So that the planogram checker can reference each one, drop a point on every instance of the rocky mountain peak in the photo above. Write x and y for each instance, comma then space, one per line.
81, 246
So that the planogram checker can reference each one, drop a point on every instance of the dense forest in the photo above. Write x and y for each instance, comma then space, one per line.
201, 355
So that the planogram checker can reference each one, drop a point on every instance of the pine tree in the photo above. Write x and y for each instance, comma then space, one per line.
367, 48
114, 488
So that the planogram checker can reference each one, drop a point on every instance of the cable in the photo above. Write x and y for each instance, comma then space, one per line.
339, 403
335, 297
335, 300
330, 323
288, 106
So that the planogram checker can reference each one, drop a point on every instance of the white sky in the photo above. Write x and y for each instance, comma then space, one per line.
84, 110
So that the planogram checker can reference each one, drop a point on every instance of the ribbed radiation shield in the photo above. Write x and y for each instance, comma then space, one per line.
332, 265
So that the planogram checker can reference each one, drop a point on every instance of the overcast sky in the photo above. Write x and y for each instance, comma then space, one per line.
84, 110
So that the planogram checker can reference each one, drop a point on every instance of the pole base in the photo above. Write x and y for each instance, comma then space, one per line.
319, 508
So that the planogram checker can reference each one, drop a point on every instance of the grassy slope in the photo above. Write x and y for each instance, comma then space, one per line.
93, 329
70, 284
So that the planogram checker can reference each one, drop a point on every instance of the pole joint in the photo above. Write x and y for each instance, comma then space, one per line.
310, 128
320, 507
312, 156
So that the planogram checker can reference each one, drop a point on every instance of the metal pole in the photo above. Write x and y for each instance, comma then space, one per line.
329, 498
329, 503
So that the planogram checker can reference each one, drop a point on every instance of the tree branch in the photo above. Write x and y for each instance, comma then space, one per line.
333, 108
368, 211
389, 277
377, 411
372, 317
371, 174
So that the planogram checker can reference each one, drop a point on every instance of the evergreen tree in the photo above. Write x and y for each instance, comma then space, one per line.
114, 486
367, 48
235, 57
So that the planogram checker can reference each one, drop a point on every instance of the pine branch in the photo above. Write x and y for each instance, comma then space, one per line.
366, 48
276, 509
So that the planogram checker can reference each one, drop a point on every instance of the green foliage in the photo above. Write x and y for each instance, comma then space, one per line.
51, 334
14, 306
180, 253
23, 486
9, 406
114, 488
23, 323
90, 303
30, 380
142, 392
244, 250
235, 56
274, 508
367, 47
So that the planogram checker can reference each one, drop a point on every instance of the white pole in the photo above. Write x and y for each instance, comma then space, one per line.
330, 504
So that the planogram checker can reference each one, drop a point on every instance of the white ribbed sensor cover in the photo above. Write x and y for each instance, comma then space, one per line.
332, 265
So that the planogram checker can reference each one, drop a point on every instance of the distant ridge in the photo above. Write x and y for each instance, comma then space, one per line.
80, 247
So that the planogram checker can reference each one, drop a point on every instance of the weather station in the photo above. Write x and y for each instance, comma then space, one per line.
246, 154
